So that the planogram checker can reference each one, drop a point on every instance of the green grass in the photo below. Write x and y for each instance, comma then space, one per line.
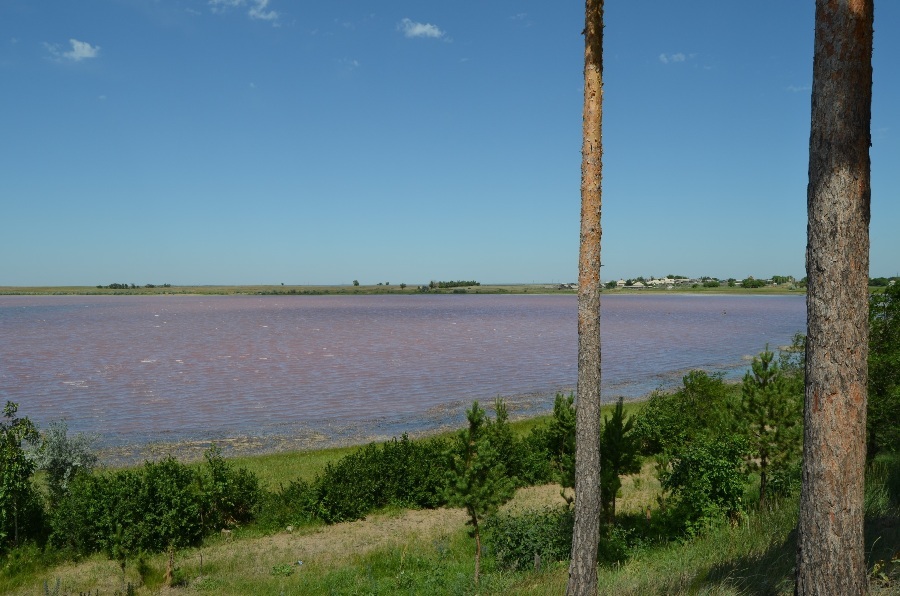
281, 468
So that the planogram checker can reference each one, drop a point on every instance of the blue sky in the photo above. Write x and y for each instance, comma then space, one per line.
268, 141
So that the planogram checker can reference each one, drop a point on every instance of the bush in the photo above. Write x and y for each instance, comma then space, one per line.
516, 539
883, 432
293, 505
229, 496
163, 504
401, 472
62, 457
662, 424
20, 510
706, 482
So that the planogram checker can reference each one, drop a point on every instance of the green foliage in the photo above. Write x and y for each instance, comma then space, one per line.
163, 504
443, 285
882, 496
293, 505
62, 457
618, 456
20, 510
560, 437
879, 282
770, 417
228, 496
476, 478
534, 466
883, 430
504, 443
516, 539
698, 409
753, 283
705, 482
711, 283
400, 472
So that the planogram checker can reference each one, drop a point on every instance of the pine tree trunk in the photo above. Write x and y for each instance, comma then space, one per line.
830, 546
477, 555
763, 484
586, 533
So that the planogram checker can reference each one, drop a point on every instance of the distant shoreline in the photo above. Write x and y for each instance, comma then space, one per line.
371, 290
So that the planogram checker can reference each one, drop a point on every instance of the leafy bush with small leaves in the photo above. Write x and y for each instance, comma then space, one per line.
163, 504
229, 496
882, 430
20, 508
400, 472
706, 481
515, 539
293, 505
662, 423
63, 456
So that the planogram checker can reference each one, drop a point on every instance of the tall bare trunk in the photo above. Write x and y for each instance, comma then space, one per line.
830, 530
583, 567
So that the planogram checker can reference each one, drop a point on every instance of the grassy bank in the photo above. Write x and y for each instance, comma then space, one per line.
429, 552
394, 551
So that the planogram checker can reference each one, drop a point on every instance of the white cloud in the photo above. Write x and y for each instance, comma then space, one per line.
413, 29
258, 9
667, 58
222, 5
81, 50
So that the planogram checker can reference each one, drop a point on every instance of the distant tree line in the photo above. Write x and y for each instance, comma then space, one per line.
443, 285
117, 286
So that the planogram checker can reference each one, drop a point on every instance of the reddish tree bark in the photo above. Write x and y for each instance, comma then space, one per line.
586, 534
830, 557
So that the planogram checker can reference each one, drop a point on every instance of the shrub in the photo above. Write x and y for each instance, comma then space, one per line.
292, 505
20, 511
706, 482
161, 505
401, 472
62, 457
883, 432
662, 424
229, 496
516, 539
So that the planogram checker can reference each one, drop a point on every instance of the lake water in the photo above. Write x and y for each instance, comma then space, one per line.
138, 369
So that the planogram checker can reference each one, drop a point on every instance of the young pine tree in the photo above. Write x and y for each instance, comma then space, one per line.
478, 480
770, 414
561, 443
618, 456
